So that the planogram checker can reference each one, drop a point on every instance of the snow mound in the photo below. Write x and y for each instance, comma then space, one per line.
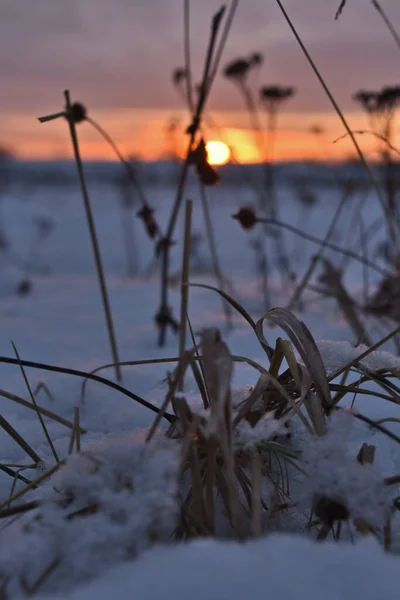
278, 567
107, 504
333, 472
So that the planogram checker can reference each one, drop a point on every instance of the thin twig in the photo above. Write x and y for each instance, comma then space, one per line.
369, 132
93, 237
164, 318
387, 22
365, 354
41, 421
45, 367
32, 484
188, 67
214, 254
340, 114
340, 9
184, 283
325, 244
77, 429
127, 165
9, 429
222, 44
43, 411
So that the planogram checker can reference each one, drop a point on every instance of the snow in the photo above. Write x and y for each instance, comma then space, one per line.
278, 567
60, 321
333, 472
132, 488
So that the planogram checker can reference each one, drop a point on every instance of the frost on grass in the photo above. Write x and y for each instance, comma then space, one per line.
335, 474
108, 504
248, 437
336, 355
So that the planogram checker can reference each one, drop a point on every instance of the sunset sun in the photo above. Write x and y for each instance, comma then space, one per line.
218, 153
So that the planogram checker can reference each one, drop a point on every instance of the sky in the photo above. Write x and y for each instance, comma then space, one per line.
117, 57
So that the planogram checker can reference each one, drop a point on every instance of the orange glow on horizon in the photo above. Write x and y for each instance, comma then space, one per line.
148, 135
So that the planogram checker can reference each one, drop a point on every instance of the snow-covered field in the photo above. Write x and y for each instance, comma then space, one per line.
60, 321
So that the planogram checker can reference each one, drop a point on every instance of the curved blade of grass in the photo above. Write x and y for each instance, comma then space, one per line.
77, 373
304, 342
238, 307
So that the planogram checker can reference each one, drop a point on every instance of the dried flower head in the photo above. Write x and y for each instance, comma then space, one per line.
274, 95
256, 59
247, 217
178, 76
78, 112
147, 216
238, 69
199, 158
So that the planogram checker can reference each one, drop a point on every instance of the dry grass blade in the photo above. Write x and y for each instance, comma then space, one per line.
387, 22
188, 69
42, 386
42, 423
368, 132
18, 510
200, 383
340, 9
13, 474
179, 373
229, 299
184, 282
224, 37
256, 495
255, 395
290, 358
127, 363
9, 429
340, 114
202, 380
333, 280
46, 413
77, 429
30, 590
302, 339
211, 479
218, 370
226, 307
93, 238
277, 358
76, 373
198, 500
371, 423
364, 354
32, 484
71, 441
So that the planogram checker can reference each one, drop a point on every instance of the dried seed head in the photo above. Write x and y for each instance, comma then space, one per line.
247, 217
147, 216
207, 174
256, 59
274, 95
329, 510
164, 318
24, 287
178, 76
238, 69
78, 112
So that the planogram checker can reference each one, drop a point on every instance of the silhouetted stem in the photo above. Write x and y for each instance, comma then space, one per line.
93, 237
390, 225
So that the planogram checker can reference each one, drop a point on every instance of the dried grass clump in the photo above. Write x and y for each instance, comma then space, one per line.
283, 458
243, 474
